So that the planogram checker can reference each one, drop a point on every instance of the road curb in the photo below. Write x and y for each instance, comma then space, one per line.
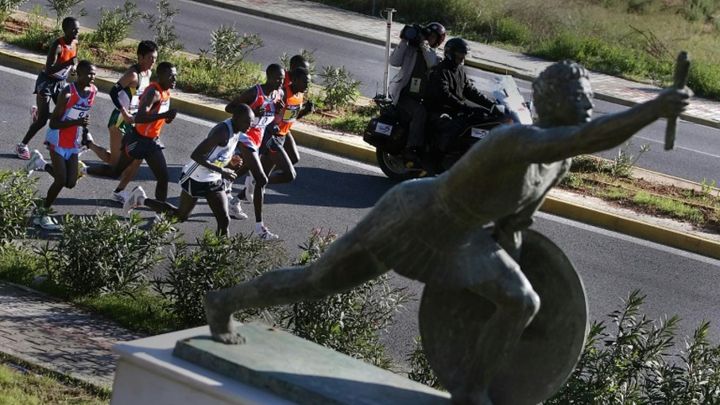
632, 227
336, 145
487, 66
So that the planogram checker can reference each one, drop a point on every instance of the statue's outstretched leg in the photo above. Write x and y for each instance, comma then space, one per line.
516, 305
346, 264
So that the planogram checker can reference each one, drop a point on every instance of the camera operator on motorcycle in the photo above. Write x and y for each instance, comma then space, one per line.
415, 55
449, 88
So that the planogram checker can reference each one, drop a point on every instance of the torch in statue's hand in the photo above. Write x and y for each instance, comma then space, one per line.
682, 69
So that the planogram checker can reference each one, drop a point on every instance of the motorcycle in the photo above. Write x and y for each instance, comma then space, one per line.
388, 133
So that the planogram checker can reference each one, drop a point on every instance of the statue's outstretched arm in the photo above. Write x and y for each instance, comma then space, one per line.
551, 144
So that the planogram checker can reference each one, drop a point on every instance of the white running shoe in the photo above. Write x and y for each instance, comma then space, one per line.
249, 188
135, 199
47, 222
236, 211
36, 162
265, 234
121, 196
82, 168
22, 151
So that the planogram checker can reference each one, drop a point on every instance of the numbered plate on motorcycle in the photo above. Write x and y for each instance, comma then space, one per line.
383, 129
479, 133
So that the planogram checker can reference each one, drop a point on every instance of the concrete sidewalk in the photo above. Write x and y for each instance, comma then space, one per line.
59, 337
362, 27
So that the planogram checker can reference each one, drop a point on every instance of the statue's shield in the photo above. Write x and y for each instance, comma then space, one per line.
451, 321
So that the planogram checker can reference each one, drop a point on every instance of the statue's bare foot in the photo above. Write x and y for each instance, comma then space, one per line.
221, 323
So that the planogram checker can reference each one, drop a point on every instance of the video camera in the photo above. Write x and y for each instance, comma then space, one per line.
414, 34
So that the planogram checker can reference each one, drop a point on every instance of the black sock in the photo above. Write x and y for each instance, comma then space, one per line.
117, 190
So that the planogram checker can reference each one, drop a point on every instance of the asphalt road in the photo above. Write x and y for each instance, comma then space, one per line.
333, 193
696, 156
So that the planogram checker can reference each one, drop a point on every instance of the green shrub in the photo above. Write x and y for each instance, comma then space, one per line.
420, 369
341, 89
704, 79
63, 8
6, 8
103, 253
203, 75
512, 31
347, 322
699, 10
162, 25
217, 262
632, 363
37, 36
115, 25
17, 194
18, 264
229, 48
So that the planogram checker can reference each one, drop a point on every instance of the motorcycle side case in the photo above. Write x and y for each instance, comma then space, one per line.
387, 132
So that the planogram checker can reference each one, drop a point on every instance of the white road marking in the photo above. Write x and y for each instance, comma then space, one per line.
632, 239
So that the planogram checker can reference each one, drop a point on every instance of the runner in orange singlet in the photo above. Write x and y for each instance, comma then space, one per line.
61, 60
272, 152
142, 144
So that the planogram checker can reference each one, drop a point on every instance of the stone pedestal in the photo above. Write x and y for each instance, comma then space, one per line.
273, 367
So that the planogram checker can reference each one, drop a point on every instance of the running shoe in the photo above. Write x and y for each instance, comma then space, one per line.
249, 188
120, 196
47, 222
82, 168
22, 151
236, 211
135, 199
34, 113
36, 162
265, 234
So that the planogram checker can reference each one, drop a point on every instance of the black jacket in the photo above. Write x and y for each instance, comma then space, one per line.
449, 87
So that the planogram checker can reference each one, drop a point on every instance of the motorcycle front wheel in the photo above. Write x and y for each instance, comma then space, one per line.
394, 166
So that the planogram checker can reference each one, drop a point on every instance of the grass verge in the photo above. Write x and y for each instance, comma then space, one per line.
24, 384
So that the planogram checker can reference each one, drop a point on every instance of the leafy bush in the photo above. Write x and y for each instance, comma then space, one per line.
420, 369
633, 364
203, 75
7, 7
161, 23
510, 30
63, 8
228, 48
37, 36
17, 193
347, 322
341, 89
217, 262
115, 25
102, 253
624, 162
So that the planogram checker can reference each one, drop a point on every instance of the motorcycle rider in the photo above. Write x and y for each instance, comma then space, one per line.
415, 55
449, 88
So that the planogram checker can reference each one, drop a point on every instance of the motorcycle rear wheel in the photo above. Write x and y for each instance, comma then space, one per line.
394, 166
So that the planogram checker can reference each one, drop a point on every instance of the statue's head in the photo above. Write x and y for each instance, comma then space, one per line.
562, 95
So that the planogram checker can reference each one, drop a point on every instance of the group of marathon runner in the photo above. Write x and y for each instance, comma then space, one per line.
255, 141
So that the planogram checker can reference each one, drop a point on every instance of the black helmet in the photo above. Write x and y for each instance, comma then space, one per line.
438, 29
455, 45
